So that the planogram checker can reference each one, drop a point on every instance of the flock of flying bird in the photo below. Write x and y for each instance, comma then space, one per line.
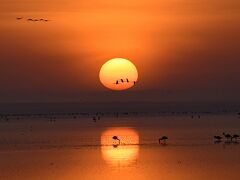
34, 20
121, 81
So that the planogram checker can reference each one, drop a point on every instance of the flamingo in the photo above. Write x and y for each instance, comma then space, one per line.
227, 136
116, 138
235, 136
163, 138
218, 138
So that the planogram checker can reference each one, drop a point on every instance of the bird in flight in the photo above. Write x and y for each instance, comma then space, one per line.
34, 20
124, 81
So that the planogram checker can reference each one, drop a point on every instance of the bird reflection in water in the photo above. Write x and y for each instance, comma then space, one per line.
120, 146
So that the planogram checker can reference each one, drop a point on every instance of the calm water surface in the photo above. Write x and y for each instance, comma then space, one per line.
36, 149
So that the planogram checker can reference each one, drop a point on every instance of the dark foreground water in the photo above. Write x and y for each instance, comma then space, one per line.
79, 148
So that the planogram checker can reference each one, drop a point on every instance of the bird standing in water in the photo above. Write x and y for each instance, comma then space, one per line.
116, 138
235, 136
227, 136
163, 138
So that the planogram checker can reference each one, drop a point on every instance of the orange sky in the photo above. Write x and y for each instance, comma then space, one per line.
184, 50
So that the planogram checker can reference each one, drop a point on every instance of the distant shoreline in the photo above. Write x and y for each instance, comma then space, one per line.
120, 107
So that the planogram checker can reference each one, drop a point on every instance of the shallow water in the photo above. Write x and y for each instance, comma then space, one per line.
82, 149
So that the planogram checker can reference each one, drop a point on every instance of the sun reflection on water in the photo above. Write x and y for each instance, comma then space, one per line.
123, 154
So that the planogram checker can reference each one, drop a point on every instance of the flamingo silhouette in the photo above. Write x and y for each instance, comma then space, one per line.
218, 138
116, 138
227, 136
163, 138
235, 136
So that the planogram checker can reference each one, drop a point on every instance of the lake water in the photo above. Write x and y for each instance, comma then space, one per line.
79, 148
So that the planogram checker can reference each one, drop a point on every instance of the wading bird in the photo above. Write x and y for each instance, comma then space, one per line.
116, 138
218, 138
227, 136
235, 136
163, 138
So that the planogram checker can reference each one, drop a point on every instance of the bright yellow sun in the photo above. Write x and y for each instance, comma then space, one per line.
118, 74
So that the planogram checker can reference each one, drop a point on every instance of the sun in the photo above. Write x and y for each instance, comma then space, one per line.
118, 74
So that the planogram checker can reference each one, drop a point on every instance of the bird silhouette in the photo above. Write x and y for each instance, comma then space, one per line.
19, 18
227, 136
235, 136
163, 138
30, 19
116, 138
219, 138
123, 81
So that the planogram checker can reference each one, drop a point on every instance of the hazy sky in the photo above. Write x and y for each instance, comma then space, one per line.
184, 50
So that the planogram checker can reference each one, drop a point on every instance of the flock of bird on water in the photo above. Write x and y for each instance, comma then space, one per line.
162, 140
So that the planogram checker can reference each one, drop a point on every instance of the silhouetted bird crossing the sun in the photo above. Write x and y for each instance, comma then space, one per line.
124, 81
